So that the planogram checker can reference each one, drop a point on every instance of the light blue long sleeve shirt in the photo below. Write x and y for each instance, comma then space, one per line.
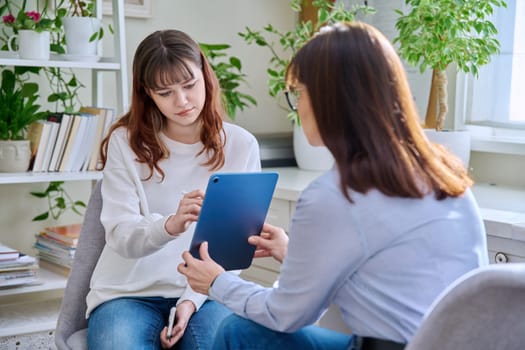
382, 260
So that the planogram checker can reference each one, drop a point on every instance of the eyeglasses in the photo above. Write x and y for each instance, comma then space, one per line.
292, 97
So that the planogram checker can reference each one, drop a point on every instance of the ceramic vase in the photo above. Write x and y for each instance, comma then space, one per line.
78, 31
14, 156
310, 157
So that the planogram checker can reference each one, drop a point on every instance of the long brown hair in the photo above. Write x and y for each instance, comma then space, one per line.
160, 60
366, 117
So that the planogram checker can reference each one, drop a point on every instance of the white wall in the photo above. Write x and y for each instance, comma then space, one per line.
206, 21
219, 22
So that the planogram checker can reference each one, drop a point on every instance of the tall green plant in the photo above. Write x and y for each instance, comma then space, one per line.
284, 44
435, 34
229, 73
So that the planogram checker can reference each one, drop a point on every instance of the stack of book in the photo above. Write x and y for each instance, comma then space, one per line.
69, 142
56, 247
16, 268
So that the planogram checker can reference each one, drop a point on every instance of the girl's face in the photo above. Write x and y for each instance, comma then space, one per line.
306, 114
182, 103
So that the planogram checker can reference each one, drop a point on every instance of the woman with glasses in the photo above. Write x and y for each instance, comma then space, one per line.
380, 235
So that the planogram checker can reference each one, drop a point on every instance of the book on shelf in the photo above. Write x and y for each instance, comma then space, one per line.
60, 260
38, 133
43, 155
18, 271
54, 251
8, 253
34, 134
50, 243
16, 278
16, 282
74, 142
64, 233
56, 268
23, 261
63, 132
33, 266
80, 158
105, 118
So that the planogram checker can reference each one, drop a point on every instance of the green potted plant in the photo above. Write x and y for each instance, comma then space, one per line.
282, 46
31, 30
436, 34
82, 29
229, 73
18, 109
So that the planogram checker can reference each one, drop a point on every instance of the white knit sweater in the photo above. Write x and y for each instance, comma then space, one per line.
140, 258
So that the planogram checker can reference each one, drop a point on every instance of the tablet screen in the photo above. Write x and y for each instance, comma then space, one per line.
234, 207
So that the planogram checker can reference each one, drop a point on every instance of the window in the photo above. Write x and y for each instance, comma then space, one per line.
497, 97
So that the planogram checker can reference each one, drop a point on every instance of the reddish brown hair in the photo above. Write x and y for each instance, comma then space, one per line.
367, 118
161, 60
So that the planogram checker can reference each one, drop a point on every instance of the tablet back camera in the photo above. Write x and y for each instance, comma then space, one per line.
215, 179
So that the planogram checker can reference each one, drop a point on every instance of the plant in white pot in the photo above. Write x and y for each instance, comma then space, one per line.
436, 34
283, 45
18, 109
82, 29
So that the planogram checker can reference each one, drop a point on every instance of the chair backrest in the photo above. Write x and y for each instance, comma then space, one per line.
90, 244
485, 309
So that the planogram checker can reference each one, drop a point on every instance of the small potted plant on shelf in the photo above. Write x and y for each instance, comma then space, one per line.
282, 46
30, 30
436, 34
82, 29
18, 109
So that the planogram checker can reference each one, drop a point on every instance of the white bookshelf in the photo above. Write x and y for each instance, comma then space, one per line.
34, 308
30, 177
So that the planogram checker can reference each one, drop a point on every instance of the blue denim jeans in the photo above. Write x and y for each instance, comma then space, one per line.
136, 323
237, 333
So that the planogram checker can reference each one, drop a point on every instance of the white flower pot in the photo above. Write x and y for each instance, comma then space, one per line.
456, 141
32, 45
78, 30
310, 157
14, 156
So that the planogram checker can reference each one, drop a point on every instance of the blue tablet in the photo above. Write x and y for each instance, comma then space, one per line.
234, 207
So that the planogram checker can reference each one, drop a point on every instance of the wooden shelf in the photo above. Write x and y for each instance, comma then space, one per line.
30, 177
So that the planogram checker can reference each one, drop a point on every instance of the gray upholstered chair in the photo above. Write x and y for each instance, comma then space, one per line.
71, 331
485, 309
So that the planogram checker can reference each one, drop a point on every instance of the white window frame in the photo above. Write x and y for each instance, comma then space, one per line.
490, 137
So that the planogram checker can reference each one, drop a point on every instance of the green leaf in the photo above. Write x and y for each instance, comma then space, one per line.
39, 194
41, 217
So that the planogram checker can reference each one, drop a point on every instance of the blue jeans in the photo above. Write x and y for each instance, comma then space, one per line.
136, 323
237, 333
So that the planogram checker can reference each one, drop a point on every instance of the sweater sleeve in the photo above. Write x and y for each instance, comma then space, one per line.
131, 230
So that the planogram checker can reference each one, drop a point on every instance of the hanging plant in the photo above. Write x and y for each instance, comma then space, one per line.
59, 201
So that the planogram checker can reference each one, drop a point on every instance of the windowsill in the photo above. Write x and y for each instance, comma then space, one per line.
502, 207
497, 140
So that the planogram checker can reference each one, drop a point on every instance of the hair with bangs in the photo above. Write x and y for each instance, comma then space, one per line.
160, 60
366, 116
